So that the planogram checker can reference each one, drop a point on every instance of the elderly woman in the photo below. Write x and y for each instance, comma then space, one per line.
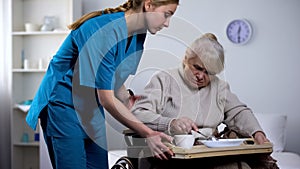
192, 97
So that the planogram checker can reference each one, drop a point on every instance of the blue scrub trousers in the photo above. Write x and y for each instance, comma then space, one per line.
75, 153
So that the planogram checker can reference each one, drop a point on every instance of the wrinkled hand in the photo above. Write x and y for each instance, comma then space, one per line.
182, 125
260, 138
157, 147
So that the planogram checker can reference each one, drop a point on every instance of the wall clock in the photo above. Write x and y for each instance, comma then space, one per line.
239, 31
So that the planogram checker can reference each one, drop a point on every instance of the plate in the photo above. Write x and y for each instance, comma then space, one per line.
222, 143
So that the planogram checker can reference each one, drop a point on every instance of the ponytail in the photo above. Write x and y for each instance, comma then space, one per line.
135, 5
122, 8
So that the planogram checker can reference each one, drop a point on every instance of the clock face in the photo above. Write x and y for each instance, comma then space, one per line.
239, 31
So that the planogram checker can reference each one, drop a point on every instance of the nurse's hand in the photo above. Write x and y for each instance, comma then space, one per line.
157, 147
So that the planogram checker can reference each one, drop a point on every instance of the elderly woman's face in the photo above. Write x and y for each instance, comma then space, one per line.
195, 73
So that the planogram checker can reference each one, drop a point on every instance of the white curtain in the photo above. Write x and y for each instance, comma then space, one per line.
5, 149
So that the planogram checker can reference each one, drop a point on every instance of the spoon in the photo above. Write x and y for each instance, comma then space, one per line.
211, 137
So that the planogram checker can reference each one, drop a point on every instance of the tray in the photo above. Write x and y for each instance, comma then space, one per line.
200, 151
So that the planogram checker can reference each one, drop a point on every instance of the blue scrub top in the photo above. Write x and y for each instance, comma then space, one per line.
94, 56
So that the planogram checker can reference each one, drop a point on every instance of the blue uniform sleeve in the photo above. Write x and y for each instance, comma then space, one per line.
96, 61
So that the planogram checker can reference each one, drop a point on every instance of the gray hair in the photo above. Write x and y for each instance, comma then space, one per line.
210, 52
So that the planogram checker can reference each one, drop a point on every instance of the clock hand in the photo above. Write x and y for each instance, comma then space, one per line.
239, 32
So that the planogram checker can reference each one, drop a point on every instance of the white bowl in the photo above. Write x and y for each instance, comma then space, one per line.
31, 27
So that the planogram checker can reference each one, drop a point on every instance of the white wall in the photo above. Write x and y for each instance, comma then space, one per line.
263, 73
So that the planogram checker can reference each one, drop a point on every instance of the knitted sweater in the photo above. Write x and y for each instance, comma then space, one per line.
167, 96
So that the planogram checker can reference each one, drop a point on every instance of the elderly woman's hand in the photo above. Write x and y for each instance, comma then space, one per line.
182, 125
260, 137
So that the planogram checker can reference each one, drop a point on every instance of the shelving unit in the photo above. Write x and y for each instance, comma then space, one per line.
37, 47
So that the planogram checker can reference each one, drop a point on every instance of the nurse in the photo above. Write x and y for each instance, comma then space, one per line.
86, 76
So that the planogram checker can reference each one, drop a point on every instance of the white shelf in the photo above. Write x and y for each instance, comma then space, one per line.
29, 144
29, 70
22, 33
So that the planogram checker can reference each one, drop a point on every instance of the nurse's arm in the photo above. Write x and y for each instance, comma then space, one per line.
123, 115
123, 95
